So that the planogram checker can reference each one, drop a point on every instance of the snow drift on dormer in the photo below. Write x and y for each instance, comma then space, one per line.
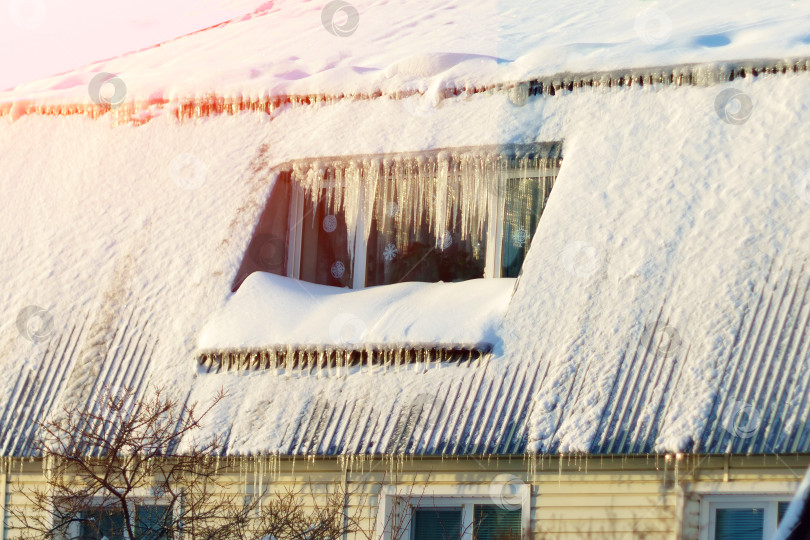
275, 311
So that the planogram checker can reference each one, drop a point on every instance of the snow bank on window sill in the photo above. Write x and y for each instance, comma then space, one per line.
270, 311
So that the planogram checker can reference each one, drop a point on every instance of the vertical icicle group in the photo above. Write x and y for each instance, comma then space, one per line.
443, 190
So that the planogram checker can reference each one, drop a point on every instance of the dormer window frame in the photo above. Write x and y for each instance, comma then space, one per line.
301, 204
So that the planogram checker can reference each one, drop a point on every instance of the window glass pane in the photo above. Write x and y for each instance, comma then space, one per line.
325, 244
437, 523
98, 523
781, 510
492, 522
405, 245
739, 524
524, 199
150, 520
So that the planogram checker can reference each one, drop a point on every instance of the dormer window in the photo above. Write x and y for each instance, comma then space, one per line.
446, 215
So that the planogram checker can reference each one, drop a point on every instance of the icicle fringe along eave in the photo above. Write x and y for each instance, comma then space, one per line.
139, 112
333, 356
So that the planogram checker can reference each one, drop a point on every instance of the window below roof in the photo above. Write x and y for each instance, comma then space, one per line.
475, 521
436, 216
742, 517
108, 522
457, 512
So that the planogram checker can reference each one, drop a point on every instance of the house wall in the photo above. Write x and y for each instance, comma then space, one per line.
571, 497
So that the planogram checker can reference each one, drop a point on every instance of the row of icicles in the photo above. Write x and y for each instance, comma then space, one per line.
141, 111
452, 191
335, 361
255, 470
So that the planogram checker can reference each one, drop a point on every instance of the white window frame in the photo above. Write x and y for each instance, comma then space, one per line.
768, 502
492, 267
146, 499
458, 496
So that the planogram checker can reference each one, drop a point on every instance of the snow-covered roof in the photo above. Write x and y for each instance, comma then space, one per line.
363, 47
662, 306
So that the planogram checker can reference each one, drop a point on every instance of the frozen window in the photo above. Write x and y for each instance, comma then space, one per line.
447, 215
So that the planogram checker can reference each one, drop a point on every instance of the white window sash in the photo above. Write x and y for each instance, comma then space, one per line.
146, 499
711, 503
458, 496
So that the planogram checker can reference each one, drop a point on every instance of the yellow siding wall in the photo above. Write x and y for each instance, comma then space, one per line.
571, 498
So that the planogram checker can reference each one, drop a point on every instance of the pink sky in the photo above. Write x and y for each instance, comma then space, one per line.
45, 37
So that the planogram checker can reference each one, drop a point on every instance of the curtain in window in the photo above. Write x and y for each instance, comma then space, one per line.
739, 524
437, 524
325, 244
404, 242
522, 206
492, 522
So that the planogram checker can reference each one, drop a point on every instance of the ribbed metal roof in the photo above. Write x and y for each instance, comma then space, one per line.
761, 403
36, 394
761, 399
